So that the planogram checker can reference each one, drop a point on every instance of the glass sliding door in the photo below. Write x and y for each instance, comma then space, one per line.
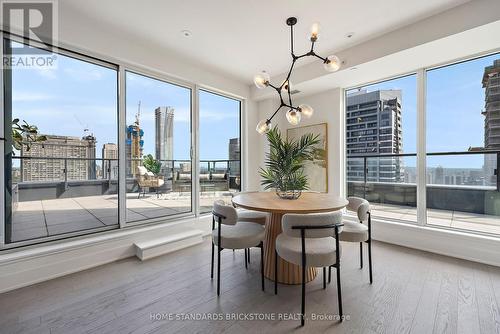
157, 148
381, 125
220, 148
61, 148
463, 145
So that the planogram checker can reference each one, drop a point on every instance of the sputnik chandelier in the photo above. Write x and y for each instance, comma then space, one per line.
262, 80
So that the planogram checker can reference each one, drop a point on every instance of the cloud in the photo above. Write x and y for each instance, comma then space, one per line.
46, 72
30, 97
217, 115
83, 75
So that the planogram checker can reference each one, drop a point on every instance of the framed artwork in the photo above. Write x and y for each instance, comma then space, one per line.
316, 170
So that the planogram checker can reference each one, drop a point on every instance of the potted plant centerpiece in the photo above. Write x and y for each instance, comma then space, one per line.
285, 163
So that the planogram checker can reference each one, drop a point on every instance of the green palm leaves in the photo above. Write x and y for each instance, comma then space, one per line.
25, 134
151, 164
285, 161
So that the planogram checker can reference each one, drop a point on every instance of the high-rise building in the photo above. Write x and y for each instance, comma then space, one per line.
110, 167
491, 84
164, 136
234, 164
374, 128
134, 148
79, 165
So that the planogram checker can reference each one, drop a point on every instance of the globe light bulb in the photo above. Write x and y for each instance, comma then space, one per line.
314, 32
306, 110
293, 116
332, 63
261, 80
263, 127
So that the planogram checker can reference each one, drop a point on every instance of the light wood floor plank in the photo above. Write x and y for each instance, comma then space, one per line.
413, 292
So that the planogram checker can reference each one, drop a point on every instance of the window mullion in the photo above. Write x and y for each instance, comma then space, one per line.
421, 148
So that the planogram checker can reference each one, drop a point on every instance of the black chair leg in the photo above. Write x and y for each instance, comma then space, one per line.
303, 307
370, 259
361, 255
246, 258
329, 275
218, 269
324, 277
212, 263
248, 255
275, 272
339, 292
262, 265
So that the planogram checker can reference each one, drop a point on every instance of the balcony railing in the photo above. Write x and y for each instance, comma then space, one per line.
368, 177
55, 177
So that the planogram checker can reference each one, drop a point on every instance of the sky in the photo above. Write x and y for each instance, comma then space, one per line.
455, 99
78, 95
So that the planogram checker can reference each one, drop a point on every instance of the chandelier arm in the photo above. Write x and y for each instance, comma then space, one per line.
272, 86
317, 56
312, 46
281, 105
291, 41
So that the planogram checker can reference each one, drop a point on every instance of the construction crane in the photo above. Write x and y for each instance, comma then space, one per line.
84, 126
138, 114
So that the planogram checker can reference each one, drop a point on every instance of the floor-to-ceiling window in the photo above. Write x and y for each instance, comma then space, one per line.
459, 141
63, 157
157, 148
381, 127
61, 162
220, 149
463, 145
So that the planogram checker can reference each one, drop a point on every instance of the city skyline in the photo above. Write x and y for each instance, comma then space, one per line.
83, 95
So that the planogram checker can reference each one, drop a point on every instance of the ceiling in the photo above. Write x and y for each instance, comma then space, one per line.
240, 38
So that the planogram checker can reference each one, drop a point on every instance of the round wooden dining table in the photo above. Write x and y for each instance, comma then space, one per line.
308, 202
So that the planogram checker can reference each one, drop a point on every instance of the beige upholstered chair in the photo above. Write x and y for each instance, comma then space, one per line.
359, 232
147, 179
233, 234
250, 216
310, 240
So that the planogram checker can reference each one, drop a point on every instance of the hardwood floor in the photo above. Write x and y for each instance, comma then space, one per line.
413, 292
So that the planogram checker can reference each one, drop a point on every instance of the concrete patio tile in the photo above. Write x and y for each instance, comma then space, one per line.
73, 226
439, 221
435, 213
29, 233
476, 218
109, 220
476, 227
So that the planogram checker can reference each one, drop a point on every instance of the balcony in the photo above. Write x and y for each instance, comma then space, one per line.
472, 205
63, 204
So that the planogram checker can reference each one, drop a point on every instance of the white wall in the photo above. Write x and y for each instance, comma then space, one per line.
328, 108
86, 34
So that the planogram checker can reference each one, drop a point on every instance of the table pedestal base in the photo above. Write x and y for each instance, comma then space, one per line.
288, 273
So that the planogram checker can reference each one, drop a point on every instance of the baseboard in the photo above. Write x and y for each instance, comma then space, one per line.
462, 245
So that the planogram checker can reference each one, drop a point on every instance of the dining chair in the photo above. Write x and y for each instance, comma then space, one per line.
233, 234
253, 216
310, 240
359, 232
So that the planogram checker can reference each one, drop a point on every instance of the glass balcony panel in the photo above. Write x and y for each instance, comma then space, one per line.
389, 185
462, 192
